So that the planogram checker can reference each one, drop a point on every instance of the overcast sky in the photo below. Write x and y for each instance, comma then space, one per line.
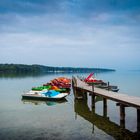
79, 33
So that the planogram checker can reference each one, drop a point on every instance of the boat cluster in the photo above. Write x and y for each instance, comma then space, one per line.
60, 82
100, 83
56, 89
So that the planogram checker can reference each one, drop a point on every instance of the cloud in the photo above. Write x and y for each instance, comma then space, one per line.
80, 8
74, 32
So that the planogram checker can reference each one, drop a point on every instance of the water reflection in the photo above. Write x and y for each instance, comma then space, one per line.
24, 75
39, 102
20, 75
41, 74
102, 122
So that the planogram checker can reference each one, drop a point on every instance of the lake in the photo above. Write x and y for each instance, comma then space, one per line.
68, 120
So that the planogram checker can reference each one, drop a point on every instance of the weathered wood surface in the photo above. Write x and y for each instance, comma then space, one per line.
118, 97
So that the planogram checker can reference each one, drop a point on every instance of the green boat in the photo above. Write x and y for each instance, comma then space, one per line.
41, 88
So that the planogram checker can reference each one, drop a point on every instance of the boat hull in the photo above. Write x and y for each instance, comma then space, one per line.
32, 96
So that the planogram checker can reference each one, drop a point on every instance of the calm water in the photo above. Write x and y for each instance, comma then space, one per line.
23, 119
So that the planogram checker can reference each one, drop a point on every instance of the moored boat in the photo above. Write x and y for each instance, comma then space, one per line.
108, 87
100, 83
92, 80
40, 88
114, 88
56, 89
60, 82
45, 95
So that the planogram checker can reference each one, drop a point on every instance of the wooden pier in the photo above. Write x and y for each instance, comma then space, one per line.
122, 100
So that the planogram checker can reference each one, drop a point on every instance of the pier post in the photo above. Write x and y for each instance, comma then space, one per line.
79, 94
122, 116
138, 124
108, 85
93, 99
84, 94
104, 107
74, 91
93, 87
74, 83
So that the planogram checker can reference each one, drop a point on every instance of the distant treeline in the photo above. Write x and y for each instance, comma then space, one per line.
21, 68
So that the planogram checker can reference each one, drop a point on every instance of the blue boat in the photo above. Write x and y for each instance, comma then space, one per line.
46, 95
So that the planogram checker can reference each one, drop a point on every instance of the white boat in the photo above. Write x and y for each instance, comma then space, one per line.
37, 92
45, 95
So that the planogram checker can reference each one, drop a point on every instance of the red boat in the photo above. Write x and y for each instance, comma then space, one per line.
91, 79
60, 82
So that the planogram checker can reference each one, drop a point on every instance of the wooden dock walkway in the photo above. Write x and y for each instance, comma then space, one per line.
80, 88
121, 98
